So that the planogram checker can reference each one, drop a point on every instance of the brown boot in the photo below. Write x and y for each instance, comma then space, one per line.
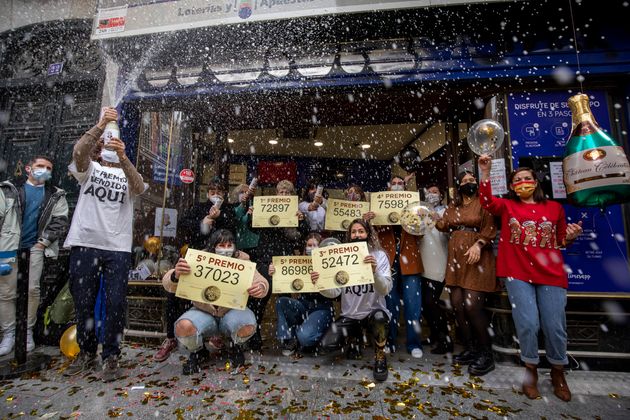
560, 387
530, 382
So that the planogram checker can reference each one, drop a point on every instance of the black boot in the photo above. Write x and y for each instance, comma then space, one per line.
236, 358
466, 357
195, 361
380, 365
483, 364
443, 345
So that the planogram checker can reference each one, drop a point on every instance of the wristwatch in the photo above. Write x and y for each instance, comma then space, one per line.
173, 278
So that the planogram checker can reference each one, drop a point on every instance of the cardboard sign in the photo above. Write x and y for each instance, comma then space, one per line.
293, 275
275, 211
388, 205
218, 280
340, 213
342, 266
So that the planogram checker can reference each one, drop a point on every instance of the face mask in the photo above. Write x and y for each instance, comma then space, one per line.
524, 189
353, 196
433, 198
109, 156
225, 252
358, 240
397, 187
41, 174
309, 250
468, 189
214, 199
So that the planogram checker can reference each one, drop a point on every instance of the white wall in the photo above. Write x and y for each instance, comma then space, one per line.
17, 13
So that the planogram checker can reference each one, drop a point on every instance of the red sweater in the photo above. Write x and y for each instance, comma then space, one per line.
531, 235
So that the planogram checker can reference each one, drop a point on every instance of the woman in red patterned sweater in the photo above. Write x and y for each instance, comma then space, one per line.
534, 231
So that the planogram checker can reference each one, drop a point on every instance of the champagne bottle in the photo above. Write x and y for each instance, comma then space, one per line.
596, 169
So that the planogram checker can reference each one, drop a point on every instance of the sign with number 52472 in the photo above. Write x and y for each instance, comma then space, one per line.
342, 265
215, 279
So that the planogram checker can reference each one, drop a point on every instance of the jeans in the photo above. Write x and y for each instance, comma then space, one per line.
302, 319
344, 328
85, 266
8, 288
411, 288
210, 326
534, 305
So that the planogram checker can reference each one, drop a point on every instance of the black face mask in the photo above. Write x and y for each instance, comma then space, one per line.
358, 240
468, 189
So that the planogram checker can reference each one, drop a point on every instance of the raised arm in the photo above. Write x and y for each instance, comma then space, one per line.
81, 153
489, 202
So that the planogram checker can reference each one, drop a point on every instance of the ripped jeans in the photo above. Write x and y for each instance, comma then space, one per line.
209, 326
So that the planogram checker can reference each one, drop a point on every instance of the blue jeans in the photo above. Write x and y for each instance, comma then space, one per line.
534, 305
85, 266
304, 320
411, 288
209, 326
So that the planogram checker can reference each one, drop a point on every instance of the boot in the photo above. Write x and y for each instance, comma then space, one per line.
194, 362
380, 365
236, 358
466, 357
7, 343
530, 382
443, 345
483, 364
560, 387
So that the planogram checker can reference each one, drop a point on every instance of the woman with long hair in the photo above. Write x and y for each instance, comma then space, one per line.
534, 230
470, 272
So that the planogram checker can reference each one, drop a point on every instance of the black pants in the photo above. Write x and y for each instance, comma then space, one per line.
258, 306
377, 323
174, 308
431, 309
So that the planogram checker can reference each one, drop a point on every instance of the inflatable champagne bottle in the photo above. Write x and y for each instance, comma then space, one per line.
596, 169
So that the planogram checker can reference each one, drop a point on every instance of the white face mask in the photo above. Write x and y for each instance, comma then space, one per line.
225, 252
309, 250
214, 199
109, 156
41, 174
398, 187
433, 198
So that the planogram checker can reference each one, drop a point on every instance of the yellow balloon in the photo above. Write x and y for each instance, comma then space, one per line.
183, 250
68, 343
152, 244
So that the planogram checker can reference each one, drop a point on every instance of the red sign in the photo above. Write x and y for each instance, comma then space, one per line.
187, 176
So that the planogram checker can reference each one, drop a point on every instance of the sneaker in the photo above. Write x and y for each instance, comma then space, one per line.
111, 369
83, 363
380, 365
194, 362
483, 364
7, 343
30, 342
466, 357
167, 347
289, 346
416, 353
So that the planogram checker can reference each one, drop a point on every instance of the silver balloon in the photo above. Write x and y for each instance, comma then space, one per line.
485, 136
417, 218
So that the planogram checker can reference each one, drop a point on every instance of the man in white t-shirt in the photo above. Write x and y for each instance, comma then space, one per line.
100, 239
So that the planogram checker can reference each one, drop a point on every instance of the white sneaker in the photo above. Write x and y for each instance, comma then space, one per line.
30, 343
7, 343
416, 353
387, 350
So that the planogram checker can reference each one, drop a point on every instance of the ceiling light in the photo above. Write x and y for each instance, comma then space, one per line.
230, 140
365, 146
273, 141
318, 143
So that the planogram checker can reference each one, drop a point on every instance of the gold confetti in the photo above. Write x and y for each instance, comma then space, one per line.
246, 380
613, 396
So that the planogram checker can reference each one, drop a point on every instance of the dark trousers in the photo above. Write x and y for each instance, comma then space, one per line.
377, 323
431, 309
174, 308
85, 266
258, 306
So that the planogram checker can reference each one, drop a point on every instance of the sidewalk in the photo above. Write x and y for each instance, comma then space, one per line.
273, 386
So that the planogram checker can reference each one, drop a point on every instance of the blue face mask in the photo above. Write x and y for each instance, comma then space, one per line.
41, 174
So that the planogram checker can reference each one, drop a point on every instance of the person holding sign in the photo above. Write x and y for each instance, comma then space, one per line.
532, 263
470, 272
403, 250
276, 241
313, 206
362, 306
303, 321
204, 320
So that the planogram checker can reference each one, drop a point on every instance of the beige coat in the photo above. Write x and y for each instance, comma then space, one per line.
207, 307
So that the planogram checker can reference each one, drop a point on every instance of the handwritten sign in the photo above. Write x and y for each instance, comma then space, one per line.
293, 275
388, 205
341, 212
275, 211
342, 266
215, 279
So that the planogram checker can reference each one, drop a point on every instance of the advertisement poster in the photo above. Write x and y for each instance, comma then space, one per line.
170, 222
540, 124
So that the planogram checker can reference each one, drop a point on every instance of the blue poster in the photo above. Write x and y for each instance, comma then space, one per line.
540, 125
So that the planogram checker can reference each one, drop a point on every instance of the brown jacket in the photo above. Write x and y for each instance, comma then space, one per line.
410, 260
207, 307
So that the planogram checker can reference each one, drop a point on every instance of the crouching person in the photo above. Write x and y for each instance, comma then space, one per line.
204, 321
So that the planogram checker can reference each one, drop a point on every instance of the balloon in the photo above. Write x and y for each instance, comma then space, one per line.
183, 250
68, 343
409, 159
485, 136
152, 244
417, 217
